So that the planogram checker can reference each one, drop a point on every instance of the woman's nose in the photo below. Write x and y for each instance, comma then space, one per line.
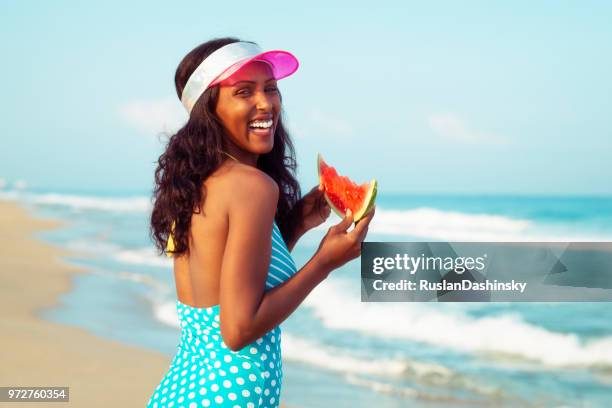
263, 101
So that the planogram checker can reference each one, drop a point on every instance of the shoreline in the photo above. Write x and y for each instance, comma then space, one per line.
39, 353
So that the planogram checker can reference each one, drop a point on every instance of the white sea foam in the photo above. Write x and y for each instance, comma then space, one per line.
504, 335
434, 224
165, 312
136, 204
159, 288
143, 256
92, 247
146, 256
9, 195
20, 185
315, 354
448, 225
422, 222
382, 387
413, 393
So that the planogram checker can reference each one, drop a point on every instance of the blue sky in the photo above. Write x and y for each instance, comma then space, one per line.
427, 97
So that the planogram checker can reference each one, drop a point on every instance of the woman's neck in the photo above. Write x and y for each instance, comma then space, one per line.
240, 156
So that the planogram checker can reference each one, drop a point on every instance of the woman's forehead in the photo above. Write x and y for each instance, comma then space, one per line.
255, 71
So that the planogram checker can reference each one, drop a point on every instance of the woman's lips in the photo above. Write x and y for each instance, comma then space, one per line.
261, 132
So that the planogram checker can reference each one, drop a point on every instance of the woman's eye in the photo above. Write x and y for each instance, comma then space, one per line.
247, 91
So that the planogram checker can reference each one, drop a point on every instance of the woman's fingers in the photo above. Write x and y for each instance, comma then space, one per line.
324, 211
315, 194
346, 222
361, 229
317, 189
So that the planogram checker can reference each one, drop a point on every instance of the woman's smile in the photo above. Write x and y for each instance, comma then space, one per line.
261, 127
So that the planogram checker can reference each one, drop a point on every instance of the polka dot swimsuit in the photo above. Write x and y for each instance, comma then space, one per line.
206, 373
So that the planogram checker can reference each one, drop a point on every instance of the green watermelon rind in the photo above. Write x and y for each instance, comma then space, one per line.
370, 199
368, 202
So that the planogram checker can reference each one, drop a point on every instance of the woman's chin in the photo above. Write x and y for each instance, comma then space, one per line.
261, 146
265, 149
261, 136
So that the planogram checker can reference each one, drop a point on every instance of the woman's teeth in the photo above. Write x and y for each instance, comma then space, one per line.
261, 124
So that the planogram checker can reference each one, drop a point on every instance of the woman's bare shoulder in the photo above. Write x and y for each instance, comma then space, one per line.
238, 182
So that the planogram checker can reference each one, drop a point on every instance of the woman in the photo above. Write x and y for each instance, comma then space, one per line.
227, 208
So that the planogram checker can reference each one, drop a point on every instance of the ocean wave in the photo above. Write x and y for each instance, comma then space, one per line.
10, 195
146, 256
143, 256
159, 288
421, 223
91, 247
434, 224
413, 393
137, 204
165, 312
494, 336
312, 353
134, 204
448, 225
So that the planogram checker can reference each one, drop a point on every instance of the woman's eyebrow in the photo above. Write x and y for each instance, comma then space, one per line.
251, 82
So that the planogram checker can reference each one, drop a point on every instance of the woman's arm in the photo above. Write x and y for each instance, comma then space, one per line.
292, 241
247, 311
309, 212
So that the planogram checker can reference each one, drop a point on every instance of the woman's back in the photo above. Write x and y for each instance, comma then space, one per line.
198, 274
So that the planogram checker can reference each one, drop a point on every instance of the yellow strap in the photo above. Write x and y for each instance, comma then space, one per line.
170, 245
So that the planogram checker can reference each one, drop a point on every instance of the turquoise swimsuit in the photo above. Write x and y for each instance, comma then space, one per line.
206, 373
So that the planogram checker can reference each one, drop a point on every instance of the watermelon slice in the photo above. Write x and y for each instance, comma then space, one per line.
341, 193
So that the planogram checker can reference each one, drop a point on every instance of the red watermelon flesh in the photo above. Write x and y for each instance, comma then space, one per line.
341, 193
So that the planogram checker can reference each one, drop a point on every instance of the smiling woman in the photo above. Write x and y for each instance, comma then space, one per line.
228, 208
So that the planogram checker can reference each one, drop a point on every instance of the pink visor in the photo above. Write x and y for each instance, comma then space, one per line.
283, 64
228, 60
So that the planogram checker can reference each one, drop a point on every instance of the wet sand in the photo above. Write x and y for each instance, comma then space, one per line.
34, 352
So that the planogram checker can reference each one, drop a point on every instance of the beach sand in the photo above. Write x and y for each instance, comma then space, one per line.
99, 372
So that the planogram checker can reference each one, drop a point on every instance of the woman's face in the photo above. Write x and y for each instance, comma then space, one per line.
249, 106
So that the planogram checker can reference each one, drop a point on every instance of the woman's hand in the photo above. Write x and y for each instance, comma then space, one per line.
339, 246
315, 209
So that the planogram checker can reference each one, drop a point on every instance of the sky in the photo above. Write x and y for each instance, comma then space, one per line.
473, 97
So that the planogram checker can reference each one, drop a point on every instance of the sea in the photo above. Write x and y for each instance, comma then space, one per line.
341, 352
